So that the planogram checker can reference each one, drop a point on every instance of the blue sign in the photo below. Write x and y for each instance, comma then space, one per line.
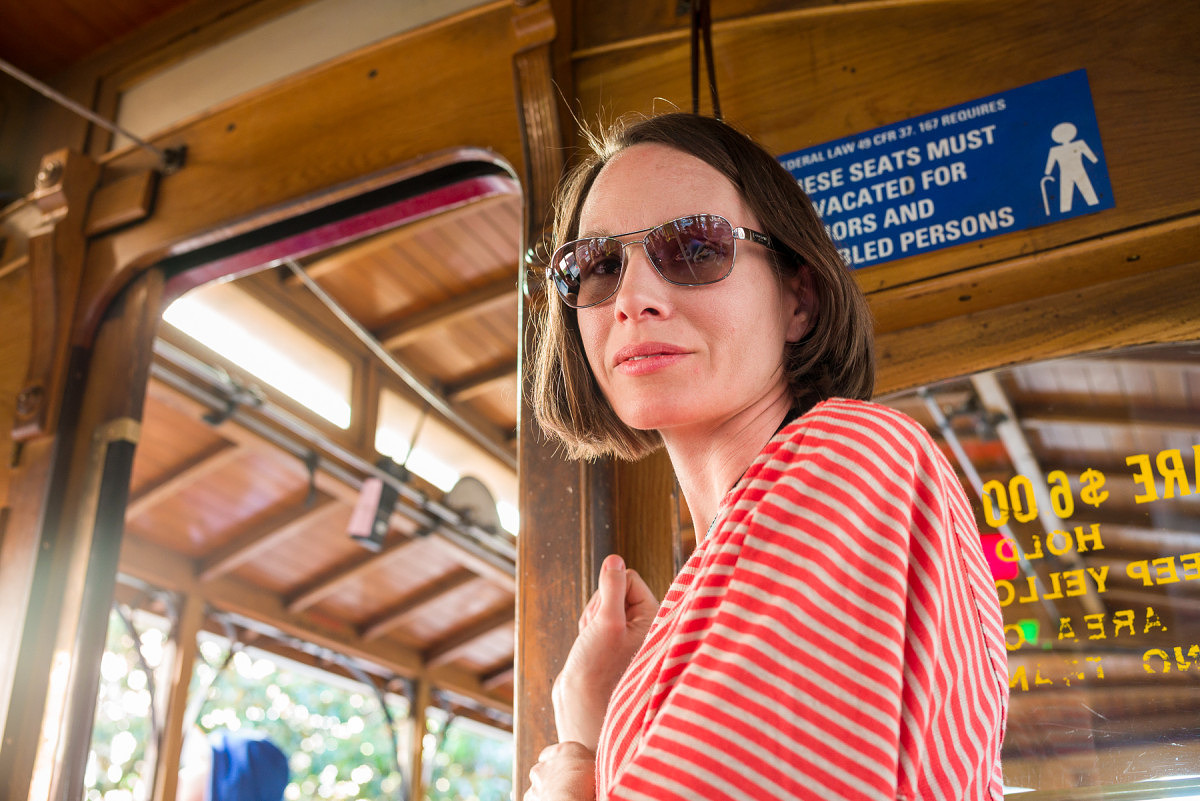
1014, 160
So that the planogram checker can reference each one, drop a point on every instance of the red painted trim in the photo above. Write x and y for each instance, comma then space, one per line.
343, 231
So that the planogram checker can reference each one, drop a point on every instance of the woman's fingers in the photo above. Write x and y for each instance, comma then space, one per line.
589, 611
563, 771
623, 597
639, 600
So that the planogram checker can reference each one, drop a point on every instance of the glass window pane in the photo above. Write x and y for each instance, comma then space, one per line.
1083, 474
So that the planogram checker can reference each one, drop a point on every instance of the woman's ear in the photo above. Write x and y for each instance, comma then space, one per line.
802, 304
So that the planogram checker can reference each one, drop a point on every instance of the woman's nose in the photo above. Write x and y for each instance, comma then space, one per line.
642, 291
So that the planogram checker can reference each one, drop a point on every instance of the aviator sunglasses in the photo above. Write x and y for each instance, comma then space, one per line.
690, 251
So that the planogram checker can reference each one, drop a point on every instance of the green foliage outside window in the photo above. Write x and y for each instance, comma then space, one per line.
336, 736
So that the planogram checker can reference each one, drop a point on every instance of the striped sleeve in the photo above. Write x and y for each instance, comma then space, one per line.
839, 639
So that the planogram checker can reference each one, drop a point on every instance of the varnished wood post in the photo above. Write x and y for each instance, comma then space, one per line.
47, 731
549, 548
569, 517
646, 530
65, 183
183, 662
417, 717
55, 263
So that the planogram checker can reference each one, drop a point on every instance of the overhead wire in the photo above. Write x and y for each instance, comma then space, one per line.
170, 160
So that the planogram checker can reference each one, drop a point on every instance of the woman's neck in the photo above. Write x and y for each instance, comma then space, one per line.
709, 461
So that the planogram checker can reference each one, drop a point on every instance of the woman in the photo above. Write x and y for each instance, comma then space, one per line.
836, 633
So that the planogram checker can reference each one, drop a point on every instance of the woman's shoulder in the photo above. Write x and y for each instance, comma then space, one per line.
840, 480
840, 448
855, 429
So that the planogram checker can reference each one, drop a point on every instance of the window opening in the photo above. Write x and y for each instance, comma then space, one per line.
262, 342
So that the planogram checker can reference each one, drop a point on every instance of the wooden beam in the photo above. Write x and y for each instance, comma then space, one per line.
1130, 517
391, 617
372, 90
1160, 357
1163, 420
476, 383
182, 659
1158, 600
446, 649
210, 460
267, 534
394, 238
1158, 541
329, 581
498, 677
472, 713
416, 326
161, 392
489, 430
1150, 307
169, 570
1124, 254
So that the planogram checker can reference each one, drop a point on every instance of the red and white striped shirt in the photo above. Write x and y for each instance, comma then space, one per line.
835, 636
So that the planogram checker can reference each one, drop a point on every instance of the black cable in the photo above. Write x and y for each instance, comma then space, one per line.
702, 24
706, 27
695, 56
127, 619
361, 675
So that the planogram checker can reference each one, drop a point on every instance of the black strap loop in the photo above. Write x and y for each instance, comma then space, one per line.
702, 24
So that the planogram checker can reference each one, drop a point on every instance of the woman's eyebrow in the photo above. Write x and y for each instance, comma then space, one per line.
611, 233
588, 233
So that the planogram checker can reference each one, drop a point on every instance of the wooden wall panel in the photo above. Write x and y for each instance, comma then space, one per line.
369, 111
15, 103
14, 359
796, 79
596, 26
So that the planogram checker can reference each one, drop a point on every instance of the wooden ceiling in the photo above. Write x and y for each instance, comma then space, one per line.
46, 37
224, 505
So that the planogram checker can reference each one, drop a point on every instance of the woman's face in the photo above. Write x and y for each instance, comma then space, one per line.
677, 357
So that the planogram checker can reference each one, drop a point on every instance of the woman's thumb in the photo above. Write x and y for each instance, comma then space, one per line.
612, 590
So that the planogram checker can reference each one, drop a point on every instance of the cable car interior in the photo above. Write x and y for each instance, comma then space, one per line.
269, 271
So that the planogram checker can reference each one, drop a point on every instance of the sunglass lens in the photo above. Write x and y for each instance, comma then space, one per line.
599, 261
564, 271
692, 250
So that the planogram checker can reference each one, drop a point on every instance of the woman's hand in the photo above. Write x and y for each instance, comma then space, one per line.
611, 629
564, 772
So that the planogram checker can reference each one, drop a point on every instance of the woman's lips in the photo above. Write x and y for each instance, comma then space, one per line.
646, 357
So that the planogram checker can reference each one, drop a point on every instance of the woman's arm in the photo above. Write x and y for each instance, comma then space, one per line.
611, 629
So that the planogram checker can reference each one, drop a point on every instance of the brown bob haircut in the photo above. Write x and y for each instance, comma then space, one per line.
834, 359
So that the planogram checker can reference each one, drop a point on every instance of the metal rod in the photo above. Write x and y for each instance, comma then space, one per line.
427, 514
976, 482
169, 161
376, 347
1008, 430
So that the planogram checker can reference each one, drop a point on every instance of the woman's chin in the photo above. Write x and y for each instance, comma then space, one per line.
655, 418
